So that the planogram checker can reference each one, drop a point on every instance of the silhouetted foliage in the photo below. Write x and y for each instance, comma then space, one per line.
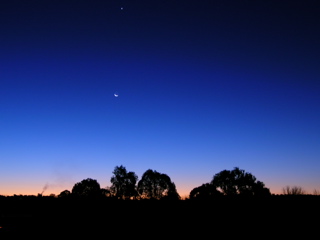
205, 191
106, 192
295, 190
64, 194
155, 185
239, 182
172, 193
87, 188
123, 183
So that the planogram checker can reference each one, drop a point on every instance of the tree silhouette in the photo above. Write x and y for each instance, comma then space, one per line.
155, 185
87, 188
64, 194
239, 182
123, 183
205, 191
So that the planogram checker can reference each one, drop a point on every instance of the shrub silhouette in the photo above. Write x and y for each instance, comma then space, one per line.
295, 190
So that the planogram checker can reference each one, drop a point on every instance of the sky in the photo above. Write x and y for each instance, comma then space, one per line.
201, 87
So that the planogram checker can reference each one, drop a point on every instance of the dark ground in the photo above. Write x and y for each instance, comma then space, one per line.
277, 216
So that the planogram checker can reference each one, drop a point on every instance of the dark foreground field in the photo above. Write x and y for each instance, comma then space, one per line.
276, 217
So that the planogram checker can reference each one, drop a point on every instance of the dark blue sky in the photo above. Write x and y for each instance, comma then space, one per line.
203, 86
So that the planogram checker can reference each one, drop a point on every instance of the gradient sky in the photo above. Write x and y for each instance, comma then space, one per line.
203, 86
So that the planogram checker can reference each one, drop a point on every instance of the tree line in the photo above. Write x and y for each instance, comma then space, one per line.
154, 185
158, 186
125, 186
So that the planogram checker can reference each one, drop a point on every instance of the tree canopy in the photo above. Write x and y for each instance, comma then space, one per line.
155, 185
123, 183
65, 193
239, 182
205, 191
86, 188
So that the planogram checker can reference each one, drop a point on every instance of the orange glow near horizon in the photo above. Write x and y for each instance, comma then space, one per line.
184, 189
184, 193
